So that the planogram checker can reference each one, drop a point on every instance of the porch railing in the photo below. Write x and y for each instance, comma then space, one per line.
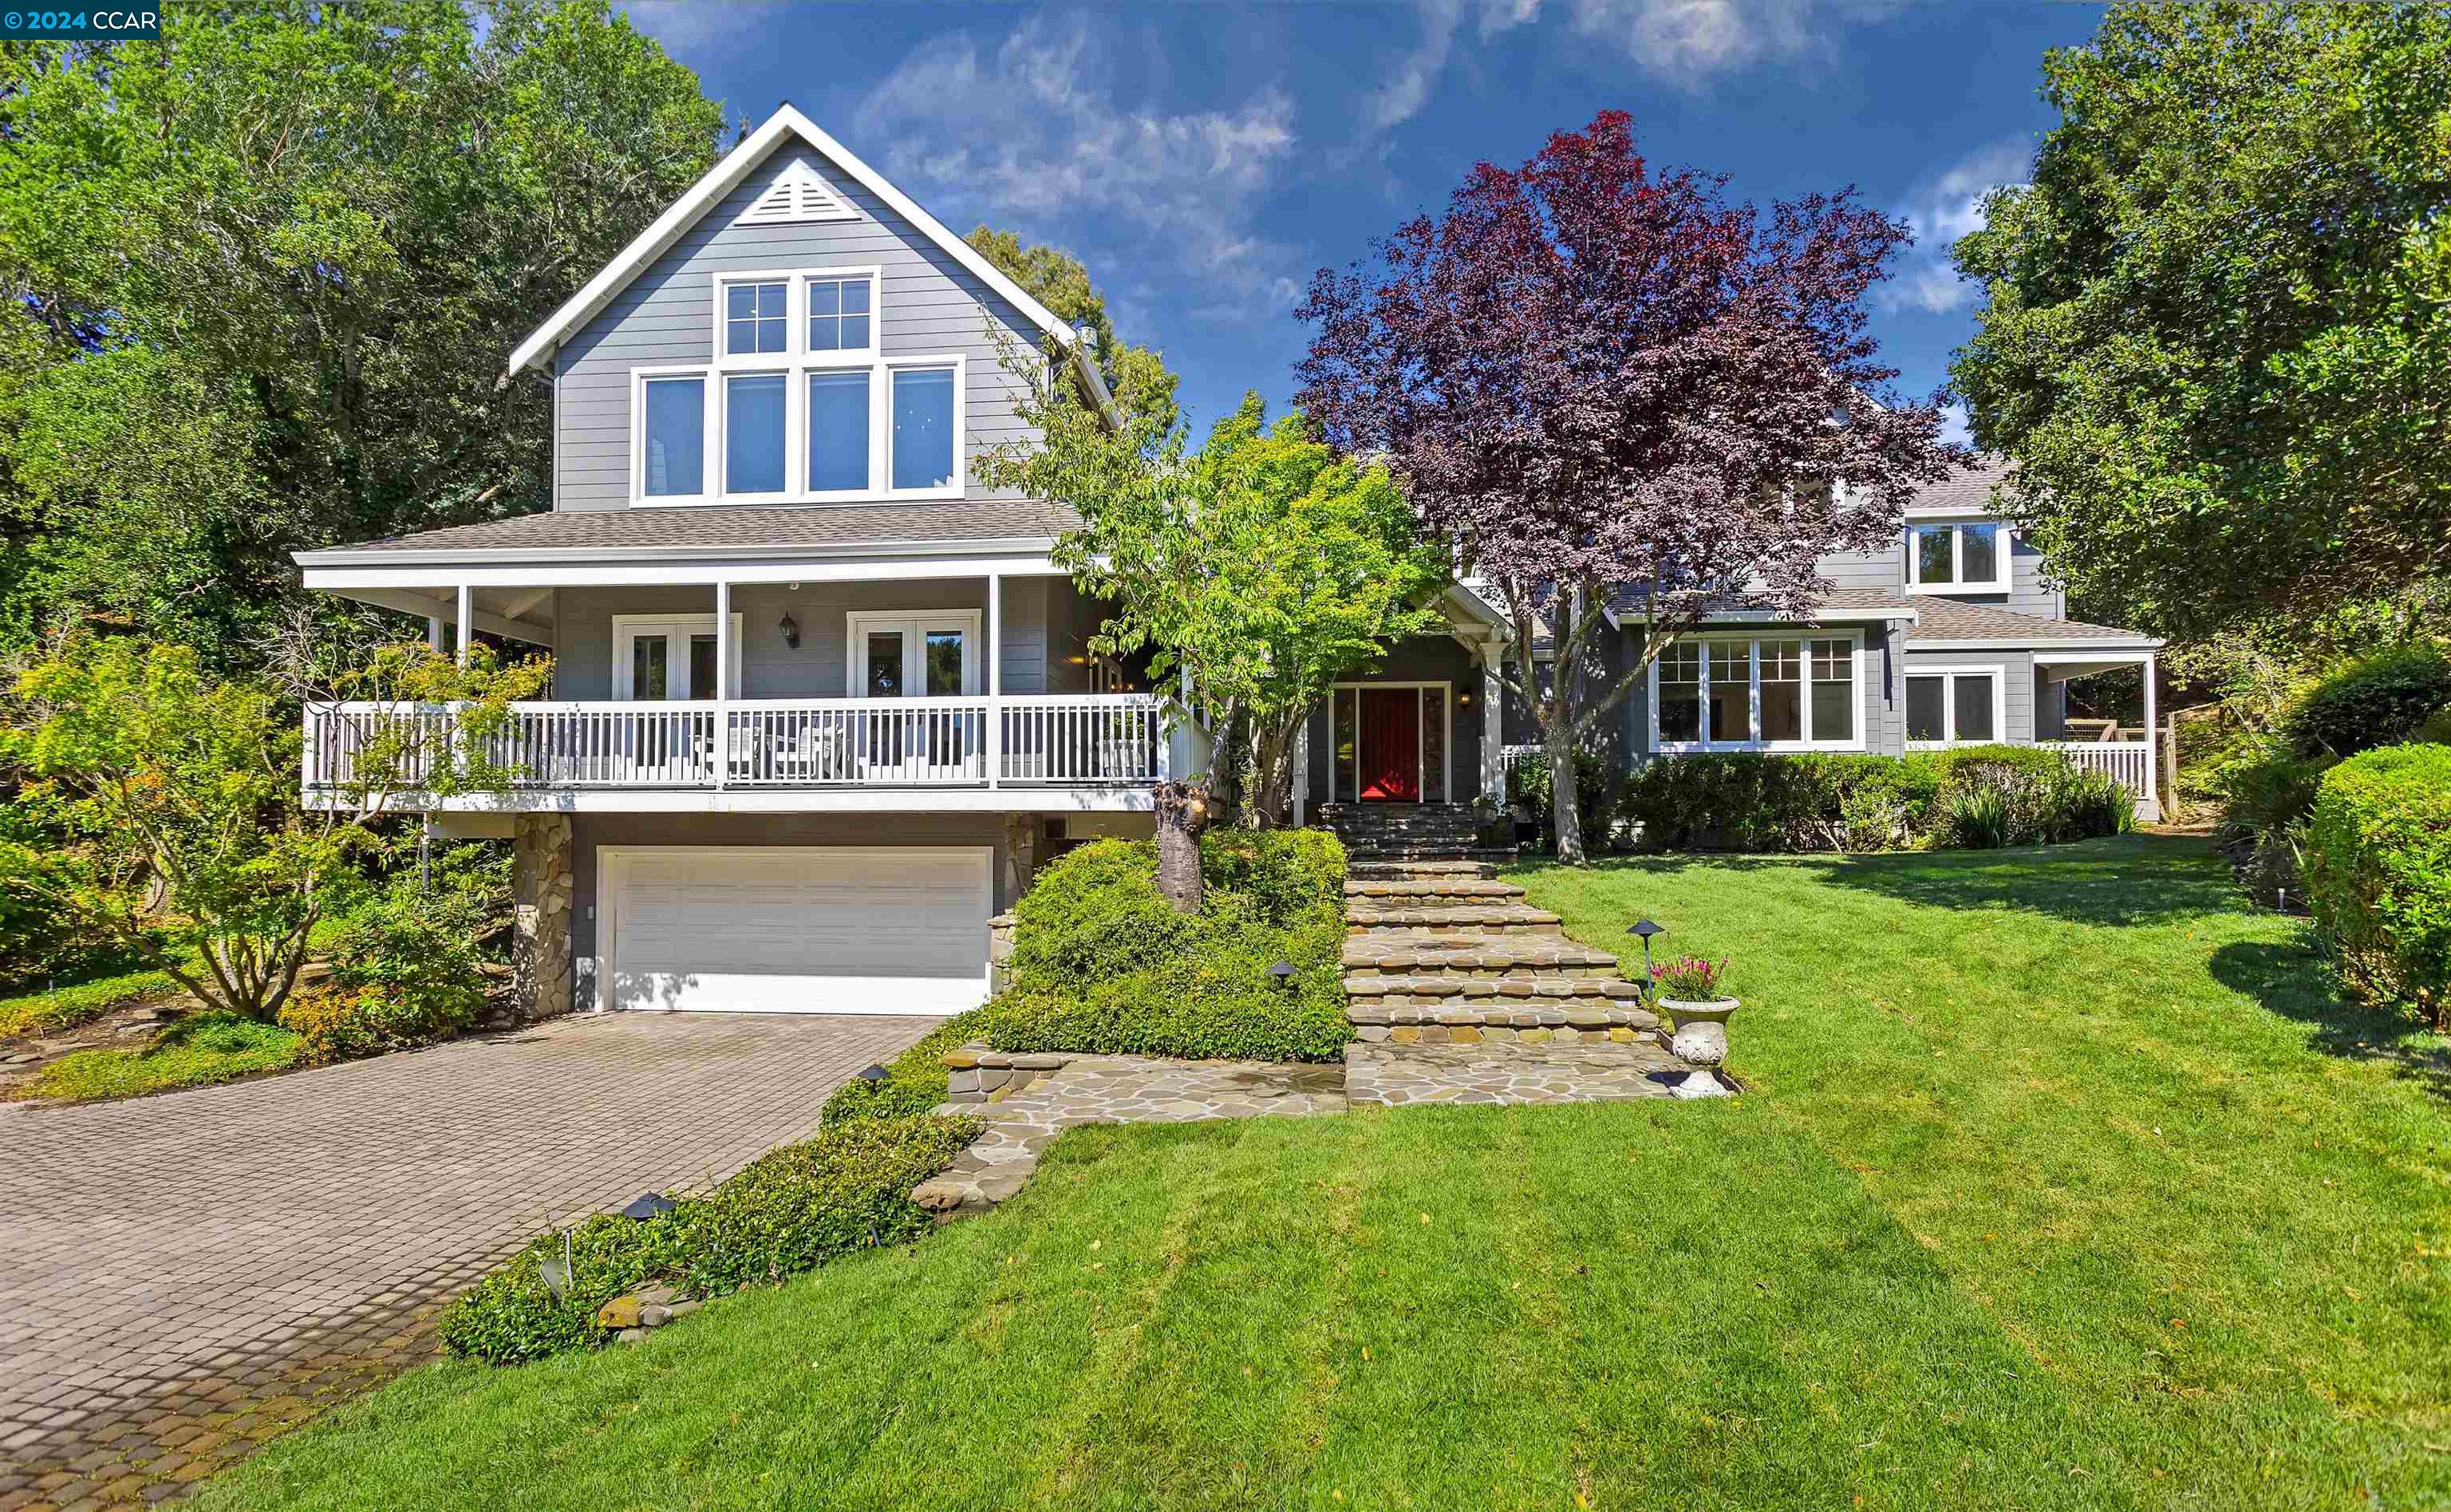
1066, 740
2130, 763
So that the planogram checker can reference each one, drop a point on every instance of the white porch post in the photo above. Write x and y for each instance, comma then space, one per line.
1493, 721
467, 620
994, 653
434, 633
724, 652
2152, 755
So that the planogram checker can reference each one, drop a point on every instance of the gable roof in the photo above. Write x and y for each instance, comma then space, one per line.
1964, 493
721, 180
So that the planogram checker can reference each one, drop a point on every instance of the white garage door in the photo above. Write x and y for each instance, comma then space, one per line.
795, 929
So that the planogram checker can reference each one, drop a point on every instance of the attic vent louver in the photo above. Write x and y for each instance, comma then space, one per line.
798, 194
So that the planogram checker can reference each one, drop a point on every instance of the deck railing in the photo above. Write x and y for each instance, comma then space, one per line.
1110, 739
2130, 763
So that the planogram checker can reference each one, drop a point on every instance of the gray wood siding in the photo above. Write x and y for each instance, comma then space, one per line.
930, 305
1886, 569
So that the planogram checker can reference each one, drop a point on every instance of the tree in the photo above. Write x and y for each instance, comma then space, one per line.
264, 272
1057, 280
1262, 564
1605, 386
178, 793
2217, 328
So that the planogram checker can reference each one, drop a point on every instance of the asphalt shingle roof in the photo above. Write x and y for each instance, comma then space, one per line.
720, 526
1944, 619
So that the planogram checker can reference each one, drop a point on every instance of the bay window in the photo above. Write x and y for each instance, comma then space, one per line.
1967, 555
1765, 693
800, 404
1956, 705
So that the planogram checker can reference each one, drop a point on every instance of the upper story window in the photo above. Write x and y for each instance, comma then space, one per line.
800, 404
1782, 693
753, 321
1960, 556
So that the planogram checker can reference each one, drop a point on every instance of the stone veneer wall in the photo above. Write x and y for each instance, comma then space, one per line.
541, 889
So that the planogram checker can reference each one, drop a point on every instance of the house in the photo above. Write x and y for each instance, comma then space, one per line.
820, 703
1950, 635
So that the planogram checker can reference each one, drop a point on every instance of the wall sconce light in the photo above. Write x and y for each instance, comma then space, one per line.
791, 628
1464, 700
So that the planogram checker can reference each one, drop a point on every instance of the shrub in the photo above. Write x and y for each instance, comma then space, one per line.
2266, 793
790, 1210
199, 1050
2377, 860
915, 1080
409, 968
1597, 784
2379, 700
1103, 965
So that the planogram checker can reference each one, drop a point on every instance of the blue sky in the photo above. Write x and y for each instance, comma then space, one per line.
1203, 160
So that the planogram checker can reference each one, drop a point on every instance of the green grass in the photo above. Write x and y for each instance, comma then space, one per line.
67, 1007
196, 1051
2064, 1183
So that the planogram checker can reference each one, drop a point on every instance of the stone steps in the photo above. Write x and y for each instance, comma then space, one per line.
1460, 955
1433, 891
1522, 990
1490, 918
1426, 870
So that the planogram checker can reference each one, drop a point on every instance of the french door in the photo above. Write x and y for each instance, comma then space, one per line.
669, 658
913, 657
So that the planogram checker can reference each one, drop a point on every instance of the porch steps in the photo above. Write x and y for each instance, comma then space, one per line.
1440, 952
1408, 831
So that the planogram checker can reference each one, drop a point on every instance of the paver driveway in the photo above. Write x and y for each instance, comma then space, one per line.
183, 1276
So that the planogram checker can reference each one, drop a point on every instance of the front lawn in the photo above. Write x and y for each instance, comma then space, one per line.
2063, 1183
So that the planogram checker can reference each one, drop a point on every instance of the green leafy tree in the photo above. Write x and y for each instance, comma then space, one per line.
1262, 564
2217, 337
1057, 280
264, 272
177, 794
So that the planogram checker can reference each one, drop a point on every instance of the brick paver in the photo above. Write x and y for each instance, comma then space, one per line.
182, 1277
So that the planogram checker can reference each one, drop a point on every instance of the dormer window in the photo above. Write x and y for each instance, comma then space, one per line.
1960, 556
800, 404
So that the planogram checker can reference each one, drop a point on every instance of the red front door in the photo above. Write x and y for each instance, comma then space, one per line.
1391, 744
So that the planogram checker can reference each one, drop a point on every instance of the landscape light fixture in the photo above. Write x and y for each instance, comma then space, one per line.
649, 1204
1284, 972
1643, 929
875, 1073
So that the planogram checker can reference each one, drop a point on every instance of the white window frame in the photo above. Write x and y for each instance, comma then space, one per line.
794, 364
627, 628
914, 624
2002, 536
1949, 672
1713, 658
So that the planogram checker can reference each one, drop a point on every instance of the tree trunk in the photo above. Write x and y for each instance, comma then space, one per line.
1182, 813
1268, 799
1564, 803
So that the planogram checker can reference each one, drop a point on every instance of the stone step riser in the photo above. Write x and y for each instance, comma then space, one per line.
1494, 1034
1544, 1016
1427, 920
1522, 990
1459, 888
1430, 968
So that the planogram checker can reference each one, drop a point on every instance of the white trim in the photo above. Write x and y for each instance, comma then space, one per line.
626, 629
1421, 771
2003, 541
1949, 672
321, 564
1855, 661
795, 371
612, 869
797, 351
710, 434
914, 623
2093, 661
655, 569
719, 181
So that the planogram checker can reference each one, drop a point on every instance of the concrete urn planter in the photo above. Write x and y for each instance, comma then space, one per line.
1701, 1037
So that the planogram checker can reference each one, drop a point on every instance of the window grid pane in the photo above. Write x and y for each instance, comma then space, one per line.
923, 428
1833, 691
1973, 714
1434, 745
1730, 691
1680, 692
1782, 690
838, 314
1979, 547
1926, 716
753, 435
837, 431
754, 318
675, 431
1934, 553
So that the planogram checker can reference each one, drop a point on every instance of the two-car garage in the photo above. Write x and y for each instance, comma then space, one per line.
793, 928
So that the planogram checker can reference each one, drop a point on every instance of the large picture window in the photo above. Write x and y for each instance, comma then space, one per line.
799, 404
1767, 693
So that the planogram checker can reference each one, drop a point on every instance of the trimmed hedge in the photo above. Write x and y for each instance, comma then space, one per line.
1102, 964
790, 1210
2377, 862
1974, 796
2378, 702
1600, 792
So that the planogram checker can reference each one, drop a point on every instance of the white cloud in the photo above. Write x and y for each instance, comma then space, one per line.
1031, 131
1954, 424
1684, 43
1941, 211
683, 25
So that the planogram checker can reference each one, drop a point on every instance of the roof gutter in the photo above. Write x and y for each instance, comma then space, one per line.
349, 557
